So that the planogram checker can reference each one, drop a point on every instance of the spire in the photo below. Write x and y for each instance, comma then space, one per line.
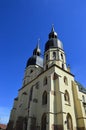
52, 34
37, 50
35, 59
38, 43
52, 30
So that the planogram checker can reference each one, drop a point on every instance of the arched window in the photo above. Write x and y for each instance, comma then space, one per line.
66, 97
45, 81
31, 92
65, 80
54, 55
44, 98
61, 56
62, 66
43, 122
69, 122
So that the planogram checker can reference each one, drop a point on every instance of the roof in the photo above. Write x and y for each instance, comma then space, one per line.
53, 41
3, 126
35, 60
81, 87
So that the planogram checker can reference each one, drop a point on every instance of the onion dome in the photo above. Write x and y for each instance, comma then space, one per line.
35, 59
52, 34
53, 41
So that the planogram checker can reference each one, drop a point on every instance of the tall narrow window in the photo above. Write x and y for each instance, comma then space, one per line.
61, 56
31, 91
69, 122
54, 55
43, 122
65, 80
62, 66
45, 81
44, 98
66, 97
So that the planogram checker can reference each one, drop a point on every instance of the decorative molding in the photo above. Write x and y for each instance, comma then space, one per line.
79, 118
56, 113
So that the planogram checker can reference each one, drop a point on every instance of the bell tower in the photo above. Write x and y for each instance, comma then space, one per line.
34, 66
54, 53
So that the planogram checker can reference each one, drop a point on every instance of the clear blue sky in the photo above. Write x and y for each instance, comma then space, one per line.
22, 22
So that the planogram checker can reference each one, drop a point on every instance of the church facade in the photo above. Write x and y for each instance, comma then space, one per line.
50, 98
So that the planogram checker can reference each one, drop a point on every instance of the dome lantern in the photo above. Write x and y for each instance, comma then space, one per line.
37, 50
52, 34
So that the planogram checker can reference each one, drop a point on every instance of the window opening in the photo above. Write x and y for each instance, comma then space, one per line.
45, 81
54, 55
61, 56
69, 122
44, 98
43, 122
66, 96
65, 80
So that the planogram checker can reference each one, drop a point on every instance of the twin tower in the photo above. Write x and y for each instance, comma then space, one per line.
53, 54
50, 98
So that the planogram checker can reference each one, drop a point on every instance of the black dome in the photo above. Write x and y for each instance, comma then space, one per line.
31, 61
35, 59
53, 43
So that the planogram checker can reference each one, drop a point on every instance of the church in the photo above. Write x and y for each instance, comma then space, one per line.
49, 98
